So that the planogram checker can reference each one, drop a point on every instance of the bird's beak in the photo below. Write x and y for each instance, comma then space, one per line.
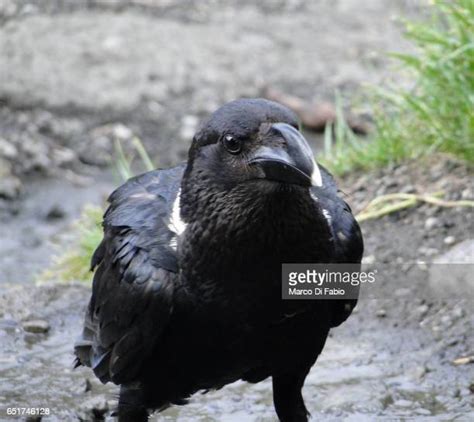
292, 162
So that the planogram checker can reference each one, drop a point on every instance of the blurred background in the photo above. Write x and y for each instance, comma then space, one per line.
94, 91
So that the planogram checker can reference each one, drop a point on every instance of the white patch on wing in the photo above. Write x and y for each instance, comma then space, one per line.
143, 195
316, 179
327, 216
342, 237
176, 224
174, 243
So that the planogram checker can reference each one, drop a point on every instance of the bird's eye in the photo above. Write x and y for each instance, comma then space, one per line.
231, 144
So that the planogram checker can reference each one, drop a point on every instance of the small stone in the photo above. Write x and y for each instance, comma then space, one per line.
35, 153
55, 213
7, 149
36, 326
451, 342
422, 310
467, 194
449, 240
381, 313
122, 132
390, 182
403, 403
431, 223
368, 260
457, 312
408, 189
427, 251
446, 320
155, 107
422, 411
97, 151
10, 187
419, 372
63, 156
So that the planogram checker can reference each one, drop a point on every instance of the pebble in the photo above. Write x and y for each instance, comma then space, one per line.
97, 151
368, 260
422, 310
457, 312
419, 372
467, 194
381, 313
431, 223
403, 403
422, 411
7, 149
449, 240
10, 187
427, 251
63, 156
408, 189
56, 212
122, 132
36, 326
446, 320
36, 154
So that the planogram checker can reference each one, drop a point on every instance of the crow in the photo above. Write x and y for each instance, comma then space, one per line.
186, 293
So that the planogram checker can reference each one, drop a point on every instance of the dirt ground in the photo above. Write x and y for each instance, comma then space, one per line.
76, 75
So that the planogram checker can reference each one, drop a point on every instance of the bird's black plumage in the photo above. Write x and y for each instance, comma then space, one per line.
187, 295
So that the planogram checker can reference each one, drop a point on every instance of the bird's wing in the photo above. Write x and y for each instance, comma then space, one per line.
132, 293
346, 235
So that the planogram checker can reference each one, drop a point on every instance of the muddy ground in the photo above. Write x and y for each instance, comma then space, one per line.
76, 75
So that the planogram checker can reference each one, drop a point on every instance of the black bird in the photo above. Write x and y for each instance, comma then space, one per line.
187, 289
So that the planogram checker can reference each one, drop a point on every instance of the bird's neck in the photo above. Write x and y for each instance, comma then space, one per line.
255, 227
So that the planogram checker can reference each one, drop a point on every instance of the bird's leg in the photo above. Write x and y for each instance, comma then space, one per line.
131, 406
287, 397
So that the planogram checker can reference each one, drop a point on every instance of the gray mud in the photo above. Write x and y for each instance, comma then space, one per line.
39, 226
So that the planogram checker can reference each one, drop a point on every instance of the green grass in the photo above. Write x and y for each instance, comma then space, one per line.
74, 265
436, 114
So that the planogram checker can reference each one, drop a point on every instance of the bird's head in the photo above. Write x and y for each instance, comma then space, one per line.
252, 139
247, 147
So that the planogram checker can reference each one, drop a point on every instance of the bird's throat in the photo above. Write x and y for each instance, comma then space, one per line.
255, 229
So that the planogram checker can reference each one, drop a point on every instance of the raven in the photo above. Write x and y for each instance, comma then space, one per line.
187, 290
